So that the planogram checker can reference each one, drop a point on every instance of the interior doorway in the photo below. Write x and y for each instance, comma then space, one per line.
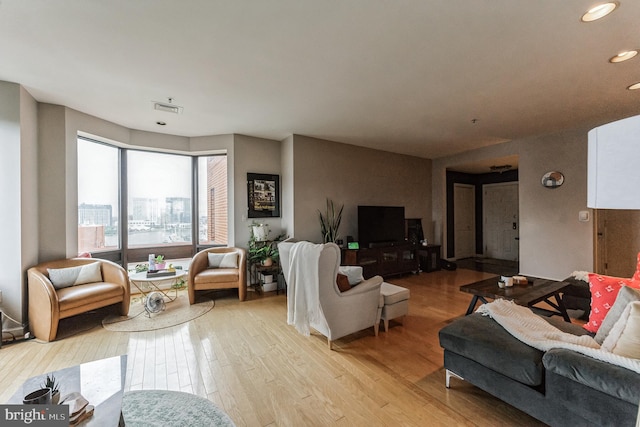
464, 224
617, 241
500, 221
464, 218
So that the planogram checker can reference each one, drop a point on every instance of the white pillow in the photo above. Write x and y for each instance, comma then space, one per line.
624, 337
224, 260
353, 273
625, 296
72, 276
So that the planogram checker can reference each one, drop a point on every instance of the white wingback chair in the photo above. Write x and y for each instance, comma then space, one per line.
341, 313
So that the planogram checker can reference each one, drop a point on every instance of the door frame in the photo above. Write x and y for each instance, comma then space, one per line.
473, 222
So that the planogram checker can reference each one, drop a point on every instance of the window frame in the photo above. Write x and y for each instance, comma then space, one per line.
126, 255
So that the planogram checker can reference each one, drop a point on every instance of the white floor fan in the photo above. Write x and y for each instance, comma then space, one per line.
154, 303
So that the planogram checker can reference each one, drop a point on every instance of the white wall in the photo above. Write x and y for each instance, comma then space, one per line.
553, 243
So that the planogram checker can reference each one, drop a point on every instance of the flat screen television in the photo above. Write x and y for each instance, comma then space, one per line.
380, 225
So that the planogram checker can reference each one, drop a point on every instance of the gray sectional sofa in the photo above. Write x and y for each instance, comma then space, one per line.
559, 387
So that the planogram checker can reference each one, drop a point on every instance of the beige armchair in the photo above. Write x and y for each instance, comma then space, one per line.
340, 313
47, 304
205, 272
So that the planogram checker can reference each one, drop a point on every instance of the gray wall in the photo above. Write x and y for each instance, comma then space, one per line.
254, 155
353, 176
553, 243
19, 189
287, 184
29, 212
52, 191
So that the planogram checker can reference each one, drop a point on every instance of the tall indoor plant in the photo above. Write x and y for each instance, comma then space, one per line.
330, 222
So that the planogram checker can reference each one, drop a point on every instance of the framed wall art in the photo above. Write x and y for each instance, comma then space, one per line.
263, 192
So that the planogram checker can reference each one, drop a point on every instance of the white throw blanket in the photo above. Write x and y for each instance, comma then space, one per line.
538, 333
303, 302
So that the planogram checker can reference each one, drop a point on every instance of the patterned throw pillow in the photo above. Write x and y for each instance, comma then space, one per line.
604, 291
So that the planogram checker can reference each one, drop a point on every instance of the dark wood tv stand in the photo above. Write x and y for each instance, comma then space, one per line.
386, 260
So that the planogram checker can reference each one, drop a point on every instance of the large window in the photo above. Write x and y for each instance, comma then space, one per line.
162, 208
212, 200
98, 197
159, 199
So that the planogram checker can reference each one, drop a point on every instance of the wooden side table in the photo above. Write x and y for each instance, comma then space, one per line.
429, 257
257, 269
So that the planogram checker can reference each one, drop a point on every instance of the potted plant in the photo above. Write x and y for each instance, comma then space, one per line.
264, 254
51, 383
260, 232
160, 263
330, 222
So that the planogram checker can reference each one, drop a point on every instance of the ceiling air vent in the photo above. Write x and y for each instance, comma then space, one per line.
169, 108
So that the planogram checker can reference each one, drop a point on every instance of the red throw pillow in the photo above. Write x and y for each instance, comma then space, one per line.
604, 291
343, 282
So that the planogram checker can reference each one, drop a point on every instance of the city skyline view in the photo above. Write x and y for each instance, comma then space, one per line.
159, 198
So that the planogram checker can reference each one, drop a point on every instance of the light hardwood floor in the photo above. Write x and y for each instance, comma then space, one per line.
248, 361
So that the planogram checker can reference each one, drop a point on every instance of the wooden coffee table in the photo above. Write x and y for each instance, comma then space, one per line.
537, 290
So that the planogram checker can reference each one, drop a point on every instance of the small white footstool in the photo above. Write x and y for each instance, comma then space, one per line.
395, 300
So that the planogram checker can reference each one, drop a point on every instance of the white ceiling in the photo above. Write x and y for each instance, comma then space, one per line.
405, 76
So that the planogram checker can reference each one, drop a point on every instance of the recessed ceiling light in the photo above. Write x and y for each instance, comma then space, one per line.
599, 11
634, 86
161, 123
624, 56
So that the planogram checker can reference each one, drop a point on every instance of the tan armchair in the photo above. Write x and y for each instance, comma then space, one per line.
340, 313
47, 305
203, 277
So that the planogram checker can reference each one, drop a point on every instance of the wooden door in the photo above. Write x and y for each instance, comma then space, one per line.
464, 214
501, 221
617, 241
